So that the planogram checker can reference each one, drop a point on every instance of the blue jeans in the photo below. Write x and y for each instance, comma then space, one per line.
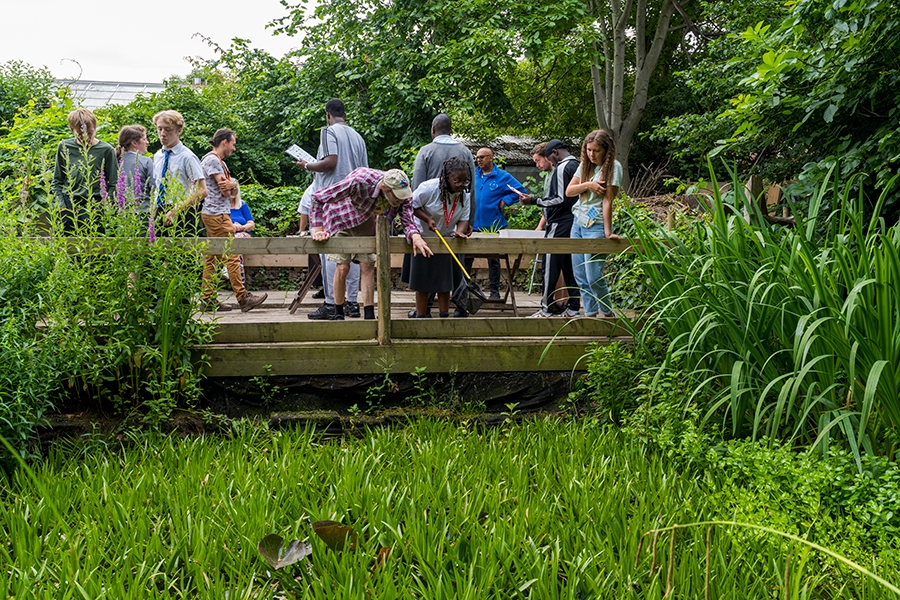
589, 272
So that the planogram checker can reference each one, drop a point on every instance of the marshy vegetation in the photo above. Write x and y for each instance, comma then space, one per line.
547, 509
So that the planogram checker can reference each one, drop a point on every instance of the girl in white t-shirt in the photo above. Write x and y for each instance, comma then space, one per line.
596, 182
443, 205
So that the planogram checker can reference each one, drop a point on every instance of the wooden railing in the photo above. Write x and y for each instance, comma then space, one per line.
298, 346
384, 245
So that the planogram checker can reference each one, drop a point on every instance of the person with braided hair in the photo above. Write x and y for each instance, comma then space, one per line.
596, 182
442, 204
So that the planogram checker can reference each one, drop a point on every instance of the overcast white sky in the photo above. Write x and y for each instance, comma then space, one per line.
131, 41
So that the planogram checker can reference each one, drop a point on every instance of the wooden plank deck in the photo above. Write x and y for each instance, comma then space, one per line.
271, 341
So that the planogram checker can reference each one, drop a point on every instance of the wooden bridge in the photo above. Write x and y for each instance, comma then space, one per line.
271, 341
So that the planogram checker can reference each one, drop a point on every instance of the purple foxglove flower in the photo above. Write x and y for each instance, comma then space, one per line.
121, 190
103, 193
151, 230
137, 185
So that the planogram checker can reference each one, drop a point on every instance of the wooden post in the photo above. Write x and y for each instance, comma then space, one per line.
670, 220
754, 189
383, 275
776, 196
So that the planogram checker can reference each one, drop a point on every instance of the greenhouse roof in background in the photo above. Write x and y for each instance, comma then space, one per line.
97, 94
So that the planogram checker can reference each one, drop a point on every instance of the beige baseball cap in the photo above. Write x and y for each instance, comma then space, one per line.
399, 183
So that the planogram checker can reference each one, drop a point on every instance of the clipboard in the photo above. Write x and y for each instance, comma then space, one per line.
298, 154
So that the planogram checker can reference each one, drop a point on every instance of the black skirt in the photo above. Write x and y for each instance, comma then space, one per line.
432, 274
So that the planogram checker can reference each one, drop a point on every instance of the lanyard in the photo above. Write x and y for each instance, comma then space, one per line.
224, 168
452, 210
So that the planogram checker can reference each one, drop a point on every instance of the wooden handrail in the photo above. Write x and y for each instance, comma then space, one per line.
396, 244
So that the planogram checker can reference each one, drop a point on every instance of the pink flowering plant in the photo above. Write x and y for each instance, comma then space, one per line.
103, 316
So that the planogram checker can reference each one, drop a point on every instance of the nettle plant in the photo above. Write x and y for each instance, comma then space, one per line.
107, 310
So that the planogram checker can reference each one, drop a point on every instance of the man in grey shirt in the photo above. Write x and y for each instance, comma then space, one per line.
341, 150
216, 216
431, 156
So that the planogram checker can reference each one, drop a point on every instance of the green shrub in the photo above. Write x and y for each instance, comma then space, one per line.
19, 84
102, 321
29, 367
608, 384
274, 209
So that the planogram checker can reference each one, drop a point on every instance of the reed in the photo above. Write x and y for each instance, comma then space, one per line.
796, 330
547, 509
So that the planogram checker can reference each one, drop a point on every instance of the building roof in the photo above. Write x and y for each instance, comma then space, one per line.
97, 94
512, 149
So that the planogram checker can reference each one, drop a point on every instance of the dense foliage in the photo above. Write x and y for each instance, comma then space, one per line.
19, 84
794, 90
105, 323
548, 509
794, 331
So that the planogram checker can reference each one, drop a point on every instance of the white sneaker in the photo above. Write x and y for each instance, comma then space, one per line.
224, 272
570, 314
541, 314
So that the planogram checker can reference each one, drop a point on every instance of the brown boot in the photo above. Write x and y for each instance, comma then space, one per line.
212, 305
251, 301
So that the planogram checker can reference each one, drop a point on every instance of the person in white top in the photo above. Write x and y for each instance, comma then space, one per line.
596, 182
177, 174
442, 204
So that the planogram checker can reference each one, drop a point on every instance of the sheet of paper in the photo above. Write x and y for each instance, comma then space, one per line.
298, 153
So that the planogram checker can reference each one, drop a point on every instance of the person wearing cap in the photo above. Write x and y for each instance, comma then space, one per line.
557, 209
349, 208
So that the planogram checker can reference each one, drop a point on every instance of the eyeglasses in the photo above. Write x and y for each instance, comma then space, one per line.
483, 156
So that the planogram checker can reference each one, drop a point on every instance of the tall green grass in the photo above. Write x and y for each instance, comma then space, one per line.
547, 509
795, 330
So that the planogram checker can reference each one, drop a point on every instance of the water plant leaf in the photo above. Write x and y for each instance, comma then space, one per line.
278, 555
335, 535
383, 553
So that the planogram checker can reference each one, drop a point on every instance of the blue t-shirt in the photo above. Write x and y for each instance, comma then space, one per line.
490, 190
241, 215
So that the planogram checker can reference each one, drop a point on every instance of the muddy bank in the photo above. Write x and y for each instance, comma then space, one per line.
340, 404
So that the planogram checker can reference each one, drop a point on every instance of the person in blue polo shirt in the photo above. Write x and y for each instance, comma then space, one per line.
492, 188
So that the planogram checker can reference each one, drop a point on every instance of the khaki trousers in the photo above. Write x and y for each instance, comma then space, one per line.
220, 226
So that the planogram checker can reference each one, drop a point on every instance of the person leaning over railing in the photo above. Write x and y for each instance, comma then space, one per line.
443, 205
349, 208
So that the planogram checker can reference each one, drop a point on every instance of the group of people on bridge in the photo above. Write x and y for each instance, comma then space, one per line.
451, 193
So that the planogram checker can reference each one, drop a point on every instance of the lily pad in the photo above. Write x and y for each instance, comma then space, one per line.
278, 555
336, 535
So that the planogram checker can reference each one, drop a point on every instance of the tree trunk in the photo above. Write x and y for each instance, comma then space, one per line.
610, 104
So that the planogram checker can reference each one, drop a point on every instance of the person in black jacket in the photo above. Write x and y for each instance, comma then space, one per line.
558, 212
